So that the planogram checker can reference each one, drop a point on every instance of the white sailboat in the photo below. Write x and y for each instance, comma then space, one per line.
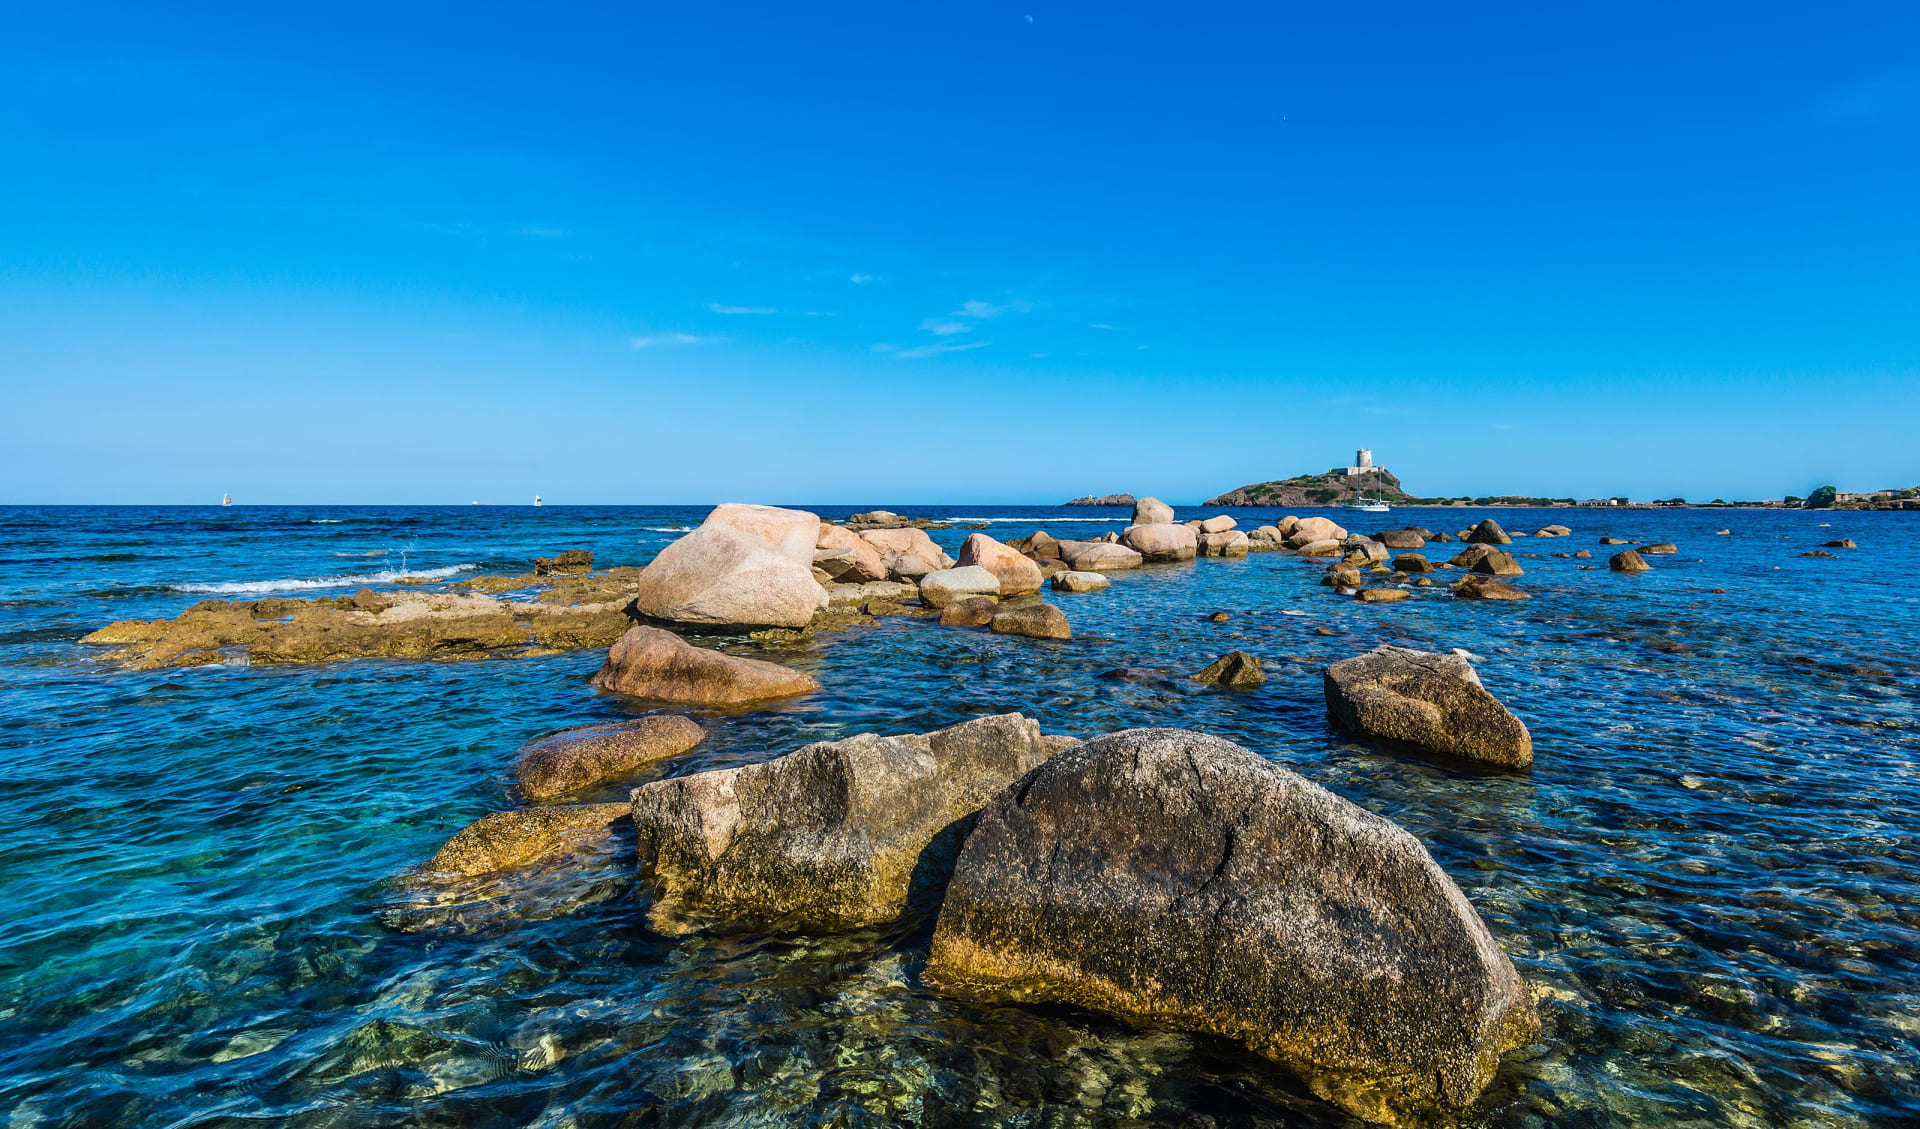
1374, 505
226, 499
536, 501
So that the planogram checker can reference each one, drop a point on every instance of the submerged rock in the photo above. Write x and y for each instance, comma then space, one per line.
1487, 588
573, 759
745, 566
1176, 878
648, 662
974, 611
837, 835
508, 839
1036, 621
1663, 549
1383, 595
1237, 670
1430, 700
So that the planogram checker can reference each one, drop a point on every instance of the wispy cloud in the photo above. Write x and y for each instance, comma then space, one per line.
979, 309
919, 351
717, 308
1886, 95
1505, 426
945, 327
863, 279
651, 340
1105, 326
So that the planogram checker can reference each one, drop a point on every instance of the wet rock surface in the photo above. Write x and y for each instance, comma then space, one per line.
1433, 701
837, 835
1236, 670
1036, 621
509, 839
573, 759
1175, 878
649, 662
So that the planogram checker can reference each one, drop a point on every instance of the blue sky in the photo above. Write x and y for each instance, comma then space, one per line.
992, 252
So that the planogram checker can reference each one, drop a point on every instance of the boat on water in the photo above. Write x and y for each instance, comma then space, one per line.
1366, 507
536, 501
226, 499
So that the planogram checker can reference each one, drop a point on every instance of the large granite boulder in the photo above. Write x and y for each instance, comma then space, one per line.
1080, 582
847, 557
1152, 511
1100, 556
577, 758
938, 589
1309, 529
1493, 562
650, 663
1488, 532
1431, 700
1176, 878
974, 611
1479, 587
1627, 560
1401, 538
1161, 541
1323, 547
1412, 562
744, 566
1018, 576
909, 554
836, 835
1219, 523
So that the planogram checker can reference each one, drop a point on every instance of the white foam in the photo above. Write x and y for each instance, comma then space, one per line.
666, 528
302, 584
1041, 520
325, 520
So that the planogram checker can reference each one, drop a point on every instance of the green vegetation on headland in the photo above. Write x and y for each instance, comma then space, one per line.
1335, 487
1338, 488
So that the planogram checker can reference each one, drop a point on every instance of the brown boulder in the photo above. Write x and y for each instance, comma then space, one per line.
570, 561
1488, 532
1383, 595
1431, 700
576, 758
1627, 561
1237, 670
974, 611
1018, 576
1496, 563
1487, 588
1037, 621
1161, 541
650, 663
508, 839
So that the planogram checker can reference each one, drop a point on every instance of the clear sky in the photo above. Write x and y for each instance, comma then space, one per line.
899, 252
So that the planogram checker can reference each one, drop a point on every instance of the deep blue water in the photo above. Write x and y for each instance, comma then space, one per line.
1712, 874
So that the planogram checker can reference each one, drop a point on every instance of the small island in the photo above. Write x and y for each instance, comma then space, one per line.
1103, 500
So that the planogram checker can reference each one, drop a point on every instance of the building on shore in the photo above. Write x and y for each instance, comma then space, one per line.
1603, 501
1362, 463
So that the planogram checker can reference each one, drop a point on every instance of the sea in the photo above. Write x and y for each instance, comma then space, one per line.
1710, 877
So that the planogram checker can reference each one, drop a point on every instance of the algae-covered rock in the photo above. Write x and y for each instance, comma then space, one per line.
1434, 701
573, 759
508, 839
1176, 878
837, 835
1238, 670
1036, 621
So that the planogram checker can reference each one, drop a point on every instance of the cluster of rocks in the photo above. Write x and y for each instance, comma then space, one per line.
1165, 876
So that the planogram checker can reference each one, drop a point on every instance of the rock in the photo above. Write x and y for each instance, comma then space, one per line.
1236, 670
1664, 549
1613, 541
1310, 529
1584, 555
1036, 621
576, 758
1487, 588
1556, 530
1627, 561
1267, 533
1496, 563
1100, 556
1176, 878
836, 835
877, 517
1441, 538
1056, 743
508, 839
1050, 568
1400, 539
1383, 595
1080, 582
650, 663
1723, 533
853, 558
1434, 701
1219, 617
1161, 541
1286, 526
974, 611
744, 566
1488, 532
1102, 500
1470, 556
1219, 523
1820, 553
1043, 546
1341, 576
1018, 576
1152, 511
1364, 550
860, 595
1326, 547
1840, 544
938, 589
569, 562
1412, 562
908, 554
1231, 543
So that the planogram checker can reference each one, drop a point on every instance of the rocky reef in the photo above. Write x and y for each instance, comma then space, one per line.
1102, 500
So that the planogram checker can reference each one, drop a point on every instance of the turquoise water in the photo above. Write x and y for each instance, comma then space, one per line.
1711, 875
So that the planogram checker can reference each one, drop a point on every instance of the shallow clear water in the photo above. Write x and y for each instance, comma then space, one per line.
1712, 874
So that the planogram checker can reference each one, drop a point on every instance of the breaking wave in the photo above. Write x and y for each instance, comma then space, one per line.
302, 584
